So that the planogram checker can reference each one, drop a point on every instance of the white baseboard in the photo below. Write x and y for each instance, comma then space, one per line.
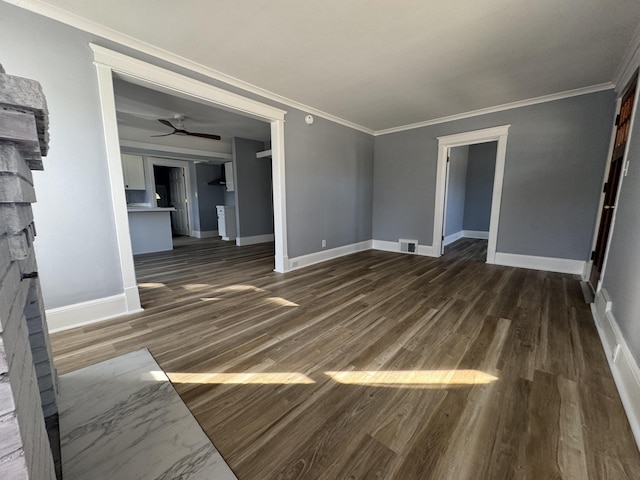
480, 234
205, 233
626, 373
241, 241
452, 238
85, 313
465, 234
425, 250
324, 255
549, 264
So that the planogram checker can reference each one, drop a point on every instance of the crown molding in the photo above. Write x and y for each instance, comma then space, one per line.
64, 16
628, 63
626, 68
499, 108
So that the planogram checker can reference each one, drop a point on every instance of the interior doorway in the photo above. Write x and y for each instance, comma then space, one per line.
445, 144
171, 192
469, 192
611, 186
109, 63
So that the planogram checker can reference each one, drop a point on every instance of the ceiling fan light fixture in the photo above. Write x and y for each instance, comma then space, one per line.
180, 130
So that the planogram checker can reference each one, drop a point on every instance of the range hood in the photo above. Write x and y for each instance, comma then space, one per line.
219, 181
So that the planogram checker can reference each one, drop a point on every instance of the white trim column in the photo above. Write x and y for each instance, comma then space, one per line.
118, 197
279, 196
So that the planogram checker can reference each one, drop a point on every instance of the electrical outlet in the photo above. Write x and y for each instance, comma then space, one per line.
324, 243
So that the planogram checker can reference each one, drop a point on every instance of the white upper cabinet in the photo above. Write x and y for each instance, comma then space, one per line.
133, 170
228, 176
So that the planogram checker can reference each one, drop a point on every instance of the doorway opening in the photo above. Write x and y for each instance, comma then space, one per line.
469, 191
445, 145
109, 63
170, 191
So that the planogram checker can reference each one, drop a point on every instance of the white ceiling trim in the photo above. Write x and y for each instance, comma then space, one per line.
125, 65
168, 149
628, 64
498, 108
89, 26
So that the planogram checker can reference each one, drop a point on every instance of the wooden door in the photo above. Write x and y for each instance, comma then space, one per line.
623, 122
178, 195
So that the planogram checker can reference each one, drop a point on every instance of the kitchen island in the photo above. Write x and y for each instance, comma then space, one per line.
150, 229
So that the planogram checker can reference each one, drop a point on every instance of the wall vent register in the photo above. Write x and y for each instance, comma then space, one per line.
408, 246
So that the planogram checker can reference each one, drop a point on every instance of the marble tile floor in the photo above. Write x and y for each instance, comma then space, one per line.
122, 419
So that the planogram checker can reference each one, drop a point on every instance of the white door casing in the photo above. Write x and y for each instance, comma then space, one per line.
494, 134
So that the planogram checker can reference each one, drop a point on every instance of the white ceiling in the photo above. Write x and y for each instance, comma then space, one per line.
382, 64
138, 110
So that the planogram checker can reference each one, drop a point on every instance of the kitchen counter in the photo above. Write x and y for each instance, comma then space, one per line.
150, 209
150, 229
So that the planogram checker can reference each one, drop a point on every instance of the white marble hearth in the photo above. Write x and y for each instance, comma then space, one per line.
122, 419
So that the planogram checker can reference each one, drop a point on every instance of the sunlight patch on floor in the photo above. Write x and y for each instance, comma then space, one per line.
413, 378
373, 378
282, 302
217, 289
240, 288
151, 285
259, 378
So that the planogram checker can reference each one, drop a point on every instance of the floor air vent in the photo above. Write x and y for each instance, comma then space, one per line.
408, 246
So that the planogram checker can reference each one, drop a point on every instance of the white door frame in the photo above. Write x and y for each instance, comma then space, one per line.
494, 134
107, 63
184, 165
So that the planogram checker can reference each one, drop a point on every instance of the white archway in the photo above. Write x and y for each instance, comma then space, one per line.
109, 62
498, 134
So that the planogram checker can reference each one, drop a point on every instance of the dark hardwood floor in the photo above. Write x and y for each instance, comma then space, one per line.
376, 365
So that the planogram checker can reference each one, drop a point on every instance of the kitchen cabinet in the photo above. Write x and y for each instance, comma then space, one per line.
226, 222
133, 171
228, 176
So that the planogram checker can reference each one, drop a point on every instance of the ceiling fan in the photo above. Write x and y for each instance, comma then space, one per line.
179, 129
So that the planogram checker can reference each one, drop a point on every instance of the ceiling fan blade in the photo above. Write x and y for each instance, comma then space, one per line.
166, 122
165, 135
203, 135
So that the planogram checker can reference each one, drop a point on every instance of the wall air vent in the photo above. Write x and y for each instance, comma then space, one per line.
408, 246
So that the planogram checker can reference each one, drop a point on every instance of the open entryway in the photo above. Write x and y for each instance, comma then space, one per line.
171, 192
469, 191
109, 64
483, 183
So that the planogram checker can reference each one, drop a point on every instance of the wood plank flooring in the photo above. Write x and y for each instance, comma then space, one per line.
376, 365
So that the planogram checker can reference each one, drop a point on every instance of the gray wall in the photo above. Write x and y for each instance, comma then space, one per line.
76, 245
208, 196
479, 187
622, 272
329, 167
456, 187
556, 155
329, 184
254, 200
